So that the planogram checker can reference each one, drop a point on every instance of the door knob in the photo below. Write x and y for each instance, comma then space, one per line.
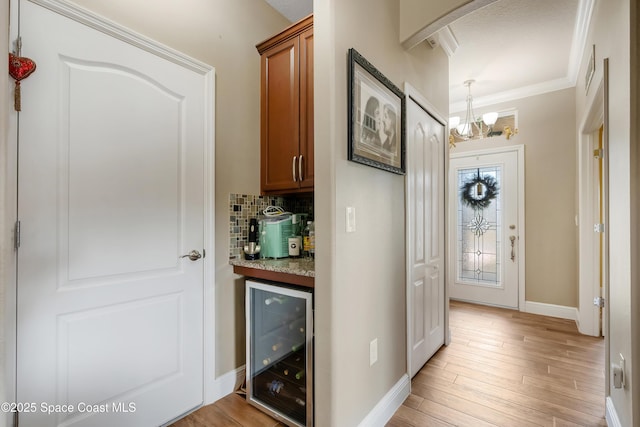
194, 255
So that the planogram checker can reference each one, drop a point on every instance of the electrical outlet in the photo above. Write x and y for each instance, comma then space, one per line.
618, 373
373, 351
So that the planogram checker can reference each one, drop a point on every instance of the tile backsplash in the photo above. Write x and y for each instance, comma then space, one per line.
243, 207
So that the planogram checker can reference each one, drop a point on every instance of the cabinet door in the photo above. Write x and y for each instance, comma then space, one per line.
306, 109
279, 126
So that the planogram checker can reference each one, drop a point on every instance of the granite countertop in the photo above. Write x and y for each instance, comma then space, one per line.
297, 266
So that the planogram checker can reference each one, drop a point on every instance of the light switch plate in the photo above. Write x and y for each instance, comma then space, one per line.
373, 351
351, 219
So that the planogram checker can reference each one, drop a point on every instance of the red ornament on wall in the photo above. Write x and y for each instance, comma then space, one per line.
19, 68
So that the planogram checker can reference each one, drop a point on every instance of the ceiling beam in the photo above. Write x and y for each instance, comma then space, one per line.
431, 28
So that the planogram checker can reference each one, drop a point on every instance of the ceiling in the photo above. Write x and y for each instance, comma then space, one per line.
293, 10
511, 48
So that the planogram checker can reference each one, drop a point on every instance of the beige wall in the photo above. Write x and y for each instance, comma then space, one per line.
610, 32
547, 129
360, 276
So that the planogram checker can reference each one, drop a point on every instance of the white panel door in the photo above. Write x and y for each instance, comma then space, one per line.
485, 240
111, 194
425, 228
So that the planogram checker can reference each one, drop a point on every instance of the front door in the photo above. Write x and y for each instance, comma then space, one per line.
111, 195
425, 230
485, 233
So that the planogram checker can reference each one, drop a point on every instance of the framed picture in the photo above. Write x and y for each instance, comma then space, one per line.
376, 120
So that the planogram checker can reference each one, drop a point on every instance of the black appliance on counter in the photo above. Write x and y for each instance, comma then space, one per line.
252, 250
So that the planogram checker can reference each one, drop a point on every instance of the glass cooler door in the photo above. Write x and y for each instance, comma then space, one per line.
279, 352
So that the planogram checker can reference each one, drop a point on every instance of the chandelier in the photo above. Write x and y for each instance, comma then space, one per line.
475, 127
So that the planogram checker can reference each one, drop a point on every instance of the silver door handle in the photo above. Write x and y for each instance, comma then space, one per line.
194, 255
300, 167
293, 167
513, 253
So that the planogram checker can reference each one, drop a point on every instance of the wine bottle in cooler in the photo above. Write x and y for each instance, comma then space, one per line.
285, 391
280, 299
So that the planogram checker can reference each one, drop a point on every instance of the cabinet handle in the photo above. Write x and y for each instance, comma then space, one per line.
300, 167
293, 167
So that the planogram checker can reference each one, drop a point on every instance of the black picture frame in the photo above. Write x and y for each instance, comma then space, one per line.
373, 103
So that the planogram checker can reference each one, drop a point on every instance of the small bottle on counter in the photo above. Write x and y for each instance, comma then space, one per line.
312, 240
306, 240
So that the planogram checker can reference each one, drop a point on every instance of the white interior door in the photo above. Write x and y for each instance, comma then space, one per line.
111, 194
485, 228
425, 230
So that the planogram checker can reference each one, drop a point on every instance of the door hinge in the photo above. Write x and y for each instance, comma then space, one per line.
598, 302
597, 154
17, 46
16, 238
598, 228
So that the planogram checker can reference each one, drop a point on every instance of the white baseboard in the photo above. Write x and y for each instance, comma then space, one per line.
552, 310
224, 385
611, 415
389, 404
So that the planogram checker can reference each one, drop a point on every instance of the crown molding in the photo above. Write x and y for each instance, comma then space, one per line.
580, 34
510, 95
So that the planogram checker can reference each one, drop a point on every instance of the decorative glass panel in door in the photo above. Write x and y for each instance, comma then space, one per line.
479, 226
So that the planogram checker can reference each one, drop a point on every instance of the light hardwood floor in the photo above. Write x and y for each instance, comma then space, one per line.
507, 368
502, 368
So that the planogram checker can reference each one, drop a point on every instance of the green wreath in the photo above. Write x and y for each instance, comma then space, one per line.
479, 197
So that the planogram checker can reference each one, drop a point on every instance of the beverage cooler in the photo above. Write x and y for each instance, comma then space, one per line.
280, 351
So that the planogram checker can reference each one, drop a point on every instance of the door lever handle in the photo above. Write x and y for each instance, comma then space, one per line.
513, 253
194, 255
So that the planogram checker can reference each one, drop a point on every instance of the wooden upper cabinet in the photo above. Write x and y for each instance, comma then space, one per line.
306, 108
286, 110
